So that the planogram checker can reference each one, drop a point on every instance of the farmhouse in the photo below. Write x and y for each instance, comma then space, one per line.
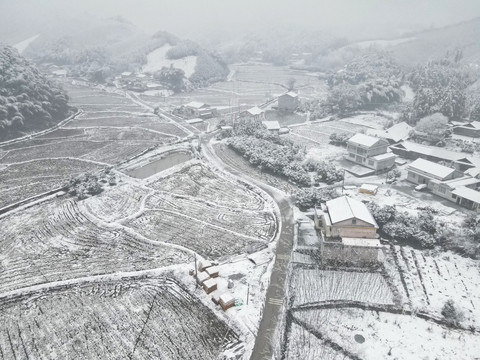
288, 101
410, 150
394, 134
422, 171
346, 218
253, 113
370, 152
445, 188
272, 126
199, 109
468, 129
467, 197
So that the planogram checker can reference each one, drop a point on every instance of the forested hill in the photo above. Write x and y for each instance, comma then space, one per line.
28, 100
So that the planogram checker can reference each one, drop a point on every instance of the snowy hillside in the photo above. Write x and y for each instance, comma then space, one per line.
158, 59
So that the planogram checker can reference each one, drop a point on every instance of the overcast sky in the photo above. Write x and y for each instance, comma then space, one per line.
190, 17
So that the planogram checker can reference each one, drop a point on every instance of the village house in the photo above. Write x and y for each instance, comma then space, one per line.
288, 101
445, 189
422, 171
471, 129
394, 134
272, 126
370, 152
467, 197
199, 110
345, 217
254, 113
410, 150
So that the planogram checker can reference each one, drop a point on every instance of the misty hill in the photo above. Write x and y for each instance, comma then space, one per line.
28, 100
103, 48
435, 43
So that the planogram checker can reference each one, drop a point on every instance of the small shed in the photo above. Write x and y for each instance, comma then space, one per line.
209, 285
202, 277
212, 271
369, 189
215, 298
202, 265
226, 301
272, 126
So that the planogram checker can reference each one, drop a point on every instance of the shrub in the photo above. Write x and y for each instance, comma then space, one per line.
453, 315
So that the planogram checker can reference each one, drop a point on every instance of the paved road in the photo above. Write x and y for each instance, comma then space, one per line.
272, 314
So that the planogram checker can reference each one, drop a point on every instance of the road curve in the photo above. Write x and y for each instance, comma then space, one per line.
272, 312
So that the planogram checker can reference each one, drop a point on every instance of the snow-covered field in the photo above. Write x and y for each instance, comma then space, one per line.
157, 59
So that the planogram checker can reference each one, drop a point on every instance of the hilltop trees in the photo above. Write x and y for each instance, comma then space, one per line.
28, 100
172, 77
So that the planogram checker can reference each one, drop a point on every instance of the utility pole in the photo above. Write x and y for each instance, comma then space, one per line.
248, 291
196, 282
343, 181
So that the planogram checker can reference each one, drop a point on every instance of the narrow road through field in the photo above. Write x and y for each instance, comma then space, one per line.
272, 312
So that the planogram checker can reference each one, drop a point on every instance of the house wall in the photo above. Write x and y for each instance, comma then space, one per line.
383, 164
443, 191
346, 228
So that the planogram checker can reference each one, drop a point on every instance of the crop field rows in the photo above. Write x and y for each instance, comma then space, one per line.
203, 238
373, 335
432, 280
315, 286
255, 223
199, 181
57, 242
141, 319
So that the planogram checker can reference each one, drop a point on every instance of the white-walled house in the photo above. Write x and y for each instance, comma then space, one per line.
345, 217
370, 152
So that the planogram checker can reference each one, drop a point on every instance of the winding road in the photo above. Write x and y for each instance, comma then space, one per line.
272, 313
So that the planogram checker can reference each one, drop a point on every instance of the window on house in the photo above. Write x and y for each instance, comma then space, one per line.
442, 190
370, 162
354, 221
351, 155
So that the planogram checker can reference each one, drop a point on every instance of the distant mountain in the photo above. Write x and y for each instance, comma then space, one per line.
28, 100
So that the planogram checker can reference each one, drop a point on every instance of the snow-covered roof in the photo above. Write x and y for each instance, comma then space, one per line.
473, 172
210, 283
212, 270
396, 133
271, 125
226, 298
345, 208
369, 187
255, 111
202, 276
364, 140
434, 169
126, 73
196, 104
384, 156
194, 121
472, 125
467, 193
291, 94
431, 151
463, 181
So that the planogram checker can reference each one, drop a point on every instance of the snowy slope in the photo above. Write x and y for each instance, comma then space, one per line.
157, 59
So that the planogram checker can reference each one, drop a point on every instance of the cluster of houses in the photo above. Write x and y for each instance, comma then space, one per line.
449, 174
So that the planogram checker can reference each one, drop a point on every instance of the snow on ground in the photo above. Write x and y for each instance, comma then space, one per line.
381, 43
391, 336
22, 45
157, 59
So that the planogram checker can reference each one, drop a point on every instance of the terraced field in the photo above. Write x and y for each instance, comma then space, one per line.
128, 319
58, 241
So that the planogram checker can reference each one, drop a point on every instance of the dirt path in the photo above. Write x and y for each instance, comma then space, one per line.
272, 312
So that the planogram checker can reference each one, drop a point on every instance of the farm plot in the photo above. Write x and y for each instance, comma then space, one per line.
203, 238
21, 181
100, 98
382, 335
73, 148
117, 203
125, 134
432, 279
62, 133
141, 319
313, 286
255, 223
57, 241
199, 181
303, 345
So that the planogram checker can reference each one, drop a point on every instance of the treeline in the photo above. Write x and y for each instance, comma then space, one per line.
28, 100
426, 231
280, 156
